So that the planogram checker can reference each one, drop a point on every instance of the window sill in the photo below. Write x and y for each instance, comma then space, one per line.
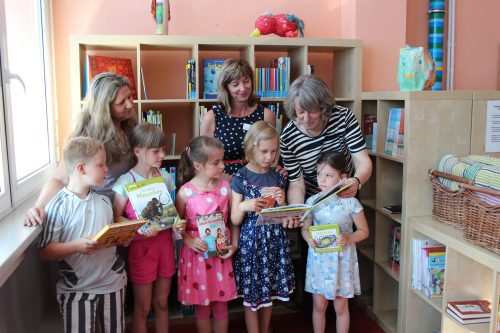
15, 239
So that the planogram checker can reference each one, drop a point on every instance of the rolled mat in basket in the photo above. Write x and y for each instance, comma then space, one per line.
448, 206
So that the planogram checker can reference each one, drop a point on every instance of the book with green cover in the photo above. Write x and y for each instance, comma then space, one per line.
151, 201
326, 237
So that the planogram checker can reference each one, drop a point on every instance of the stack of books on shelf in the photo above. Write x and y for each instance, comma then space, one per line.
202, 109
273, 81
191, 79
275, 107
428, 269
369, 120
394, 142
470, 312
394, 254
211, 69
153, 117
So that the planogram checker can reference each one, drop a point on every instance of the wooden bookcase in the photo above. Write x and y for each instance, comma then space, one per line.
163, 61
436, 123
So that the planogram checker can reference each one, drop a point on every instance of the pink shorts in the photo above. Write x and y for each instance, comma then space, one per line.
150, 258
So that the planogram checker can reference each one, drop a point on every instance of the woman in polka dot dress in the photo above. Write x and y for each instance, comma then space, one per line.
238, 110
263, 264
206, 283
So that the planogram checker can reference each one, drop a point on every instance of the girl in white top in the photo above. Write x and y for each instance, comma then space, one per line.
334, 275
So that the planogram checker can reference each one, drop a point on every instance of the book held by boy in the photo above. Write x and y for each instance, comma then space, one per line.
151, 201
326, 237
212, 230
117, 233
471, 309
275, 215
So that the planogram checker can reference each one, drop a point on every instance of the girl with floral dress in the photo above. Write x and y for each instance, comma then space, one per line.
263, 264
206, 283
334, 275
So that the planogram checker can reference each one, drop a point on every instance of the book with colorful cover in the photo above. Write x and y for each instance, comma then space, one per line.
326, 237
100, 64
368, 120
151, 201
392, 131
212, 230
470, 309
467, 321
116, 233
211, 69
418, 244
275, 215
434, 271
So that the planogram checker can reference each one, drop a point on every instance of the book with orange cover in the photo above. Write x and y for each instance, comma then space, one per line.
116, 233
471, 309
100, 64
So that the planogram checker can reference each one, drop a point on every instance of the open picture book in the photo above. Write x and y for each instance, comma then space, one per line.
116, 233
275, 215
151, 201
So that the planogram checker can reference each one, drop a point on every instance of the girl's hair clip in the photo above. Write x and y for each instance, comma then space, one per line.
188, 151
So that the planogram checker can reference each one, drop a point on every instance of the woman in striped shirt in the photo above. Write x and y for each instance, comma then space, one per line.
318, 125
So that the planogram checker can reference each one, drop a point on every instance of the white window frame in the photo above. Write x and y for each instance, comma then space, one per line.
17, 192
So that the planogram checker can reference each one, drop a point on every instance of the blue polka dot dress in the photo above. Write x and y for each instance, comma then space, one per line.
263, 264
231, 131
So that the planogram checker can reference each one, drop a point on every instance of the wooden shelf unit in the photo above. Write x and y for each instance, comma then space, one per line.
163, 60
436, 123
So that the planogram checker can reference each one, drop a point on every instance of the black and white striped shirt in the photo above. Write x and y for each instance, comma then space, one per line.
300, 151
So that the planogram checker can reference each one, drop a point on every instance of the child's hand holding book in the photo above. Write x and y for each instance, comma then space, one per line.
312, 243
85, 245
180, 225
341, 240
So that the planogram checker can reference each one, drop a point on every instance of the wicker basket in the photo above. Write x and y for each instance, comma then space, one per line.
448, 206
482, 226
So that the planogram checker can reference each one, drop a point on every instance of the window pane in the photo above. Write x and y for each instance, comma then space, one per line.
25, 63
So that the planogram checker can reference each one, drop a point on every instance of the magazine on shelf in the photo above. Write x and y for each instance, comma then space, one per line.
470, 309
116, 233
212, 230
326, 237
151, 201
275, 215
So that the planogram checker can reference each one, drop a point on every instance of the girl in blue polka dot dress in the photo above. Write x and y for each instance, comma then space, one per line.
263, 265
334, 275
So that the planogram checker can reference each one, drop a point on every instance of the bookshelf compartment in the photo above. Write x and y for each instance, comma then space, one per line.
451, 325
467, 279
424, 318
385, 299
158, 64
389, 173
122, 51
174, 114
383, 244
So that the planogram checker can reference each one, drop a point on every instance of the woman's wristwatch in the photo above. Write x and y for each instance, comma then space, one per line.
359, 182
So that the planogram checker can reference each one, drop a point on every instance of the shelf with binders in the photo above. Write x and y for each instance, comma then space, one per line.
172, 115
161, 63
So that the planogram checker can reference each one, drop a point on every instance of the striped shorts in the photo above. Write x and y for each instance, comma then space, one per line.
82, 312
